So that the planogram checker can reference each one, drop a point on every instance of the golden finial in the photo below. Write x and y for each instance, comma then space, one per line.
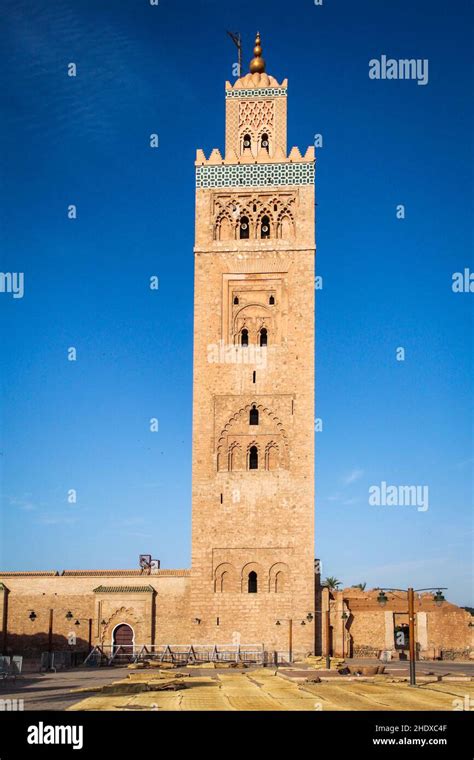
257, 64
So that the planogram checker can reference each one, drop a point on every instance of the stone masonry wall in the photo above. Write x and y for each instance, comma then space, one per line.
158, 616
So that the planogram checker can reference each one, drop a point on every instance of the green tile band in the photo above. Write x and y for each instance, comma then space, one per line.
254, 175
262, 92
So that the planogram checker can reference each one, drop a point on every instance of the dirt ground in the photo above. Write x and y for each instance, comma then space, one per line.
266, 689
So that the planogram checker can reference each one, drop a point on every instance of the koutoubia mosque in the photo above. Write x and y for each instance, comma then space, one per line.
253, 580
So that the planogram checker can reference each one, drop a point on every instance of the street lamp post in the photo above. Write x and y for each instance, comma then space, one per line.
438, 599
327, 619
328, 638
89, 622
344, 617
411, 635
290, 636
68, 616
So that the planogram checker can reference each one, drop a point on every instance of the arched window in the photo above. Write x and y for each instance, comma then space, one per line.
224, 584
235, 458
236, 301
286, 228
279, 579
225, 230
265, 144
253, 458
247, 142
252, 583
244, 337
272, 457
263, 336
253, 416
279, 582
271, 300
265, 228
244, 228
225, 578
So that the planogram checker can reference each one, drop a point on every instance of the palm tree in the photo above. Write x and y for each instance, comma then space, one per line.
332, 583
360, 585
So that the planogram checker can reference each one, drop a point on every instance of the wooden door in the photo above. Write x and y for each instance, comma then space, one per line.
123, 637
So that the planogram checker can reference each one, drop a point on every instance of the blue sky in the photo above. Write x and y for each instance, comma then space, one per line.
84, 425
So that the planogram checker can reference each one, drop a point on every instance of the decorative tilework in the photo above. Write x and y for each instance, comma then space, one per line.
254, 175
264, 92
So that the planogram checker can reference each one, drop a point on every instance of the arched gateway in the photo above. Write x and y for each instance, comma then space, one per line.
122, 638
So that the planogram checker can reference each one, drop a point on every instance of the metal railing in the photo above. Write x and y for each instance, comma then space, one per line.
10, 667
61, 660
177, 654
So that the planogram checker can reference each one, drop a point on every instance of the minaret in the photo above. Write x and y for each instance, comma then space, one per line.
253, 418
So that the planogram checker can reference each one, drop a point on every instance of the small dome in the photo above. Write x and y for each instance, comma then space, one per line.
257, 77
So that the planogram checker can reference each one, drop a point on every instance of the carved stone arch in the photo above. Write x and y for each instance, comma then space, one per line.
266, 129
286, 211
235, 458
245, 211
238, 424
249, 457
251, 443
221, 459
247, 130
262, 306
236, 207
243, 336
225, 227
272, 456
279, 578
252, 316
222, 454
286, 225
286, 228
252, 567
256, 201
125, 615
264, 211
225, 578
263, 334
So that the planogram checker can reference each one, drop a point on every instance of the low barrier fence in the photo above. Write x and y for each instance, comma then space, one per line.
177, 654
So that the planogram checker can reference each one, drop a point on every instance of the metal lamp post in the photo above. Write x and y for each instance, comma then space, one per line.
327, 618
344, 617
290, 636
438, 598
89, 625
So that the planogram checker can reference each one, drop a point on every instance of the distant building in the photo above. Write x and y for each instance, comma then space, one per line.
360, 627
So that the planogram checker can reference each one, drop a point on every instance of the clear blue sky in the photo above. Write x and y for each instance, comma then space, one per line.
387, 282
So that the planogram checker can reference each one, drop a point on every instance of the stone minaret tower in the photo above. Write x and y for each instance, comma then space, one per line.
253, 422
